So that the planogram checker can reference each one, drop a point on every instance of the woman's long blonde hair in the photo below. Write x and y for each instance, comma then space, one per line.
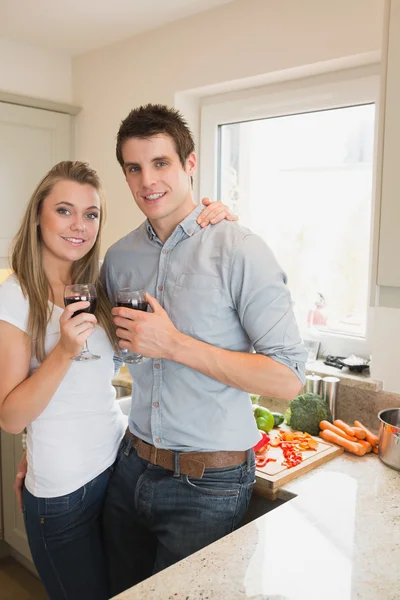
26, 260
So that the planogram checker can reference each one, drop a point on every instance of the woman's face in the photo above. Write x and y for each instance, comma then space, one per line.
69, 220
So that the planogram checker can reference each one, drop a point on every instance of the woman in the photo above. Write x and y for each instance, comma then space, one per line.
74, 426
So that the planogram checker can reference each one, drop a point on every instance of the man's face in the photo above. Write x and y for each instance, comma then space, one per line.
159, 183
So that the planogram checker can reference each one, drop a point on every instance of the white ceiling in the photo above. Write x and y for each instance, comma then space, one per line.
77, 26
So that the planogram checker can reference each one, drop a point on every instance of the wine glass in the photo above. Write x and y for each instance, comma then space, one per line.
82, 292
136, 300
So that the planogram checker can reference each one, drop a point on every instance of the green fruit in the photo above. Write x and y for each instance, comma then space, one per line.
278, 418
265, 423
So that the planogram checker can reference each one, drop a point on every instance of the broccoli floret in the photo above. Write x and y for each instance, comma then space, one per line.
307, 411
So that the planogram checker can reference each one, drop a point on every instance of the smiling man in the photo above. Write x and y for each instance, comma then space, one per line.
159, 182
221, 325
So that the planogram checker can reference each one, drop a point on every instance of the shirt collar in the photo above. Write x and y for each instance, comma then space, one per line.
150, 231
189, 224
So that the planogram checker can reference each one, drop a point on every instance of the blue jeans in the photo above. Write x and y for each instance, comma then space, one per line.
65, 539
152, 519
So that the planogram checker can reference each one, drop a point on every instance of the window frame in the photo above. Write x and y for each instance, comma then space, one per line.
350, 87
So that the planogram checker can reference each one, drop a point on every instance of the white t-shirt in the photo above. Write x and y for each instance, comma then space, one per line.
77, 435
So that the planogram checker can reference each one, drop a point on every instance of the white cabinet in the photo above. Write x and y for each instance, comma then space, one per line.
14, 529
388, 188
31, 142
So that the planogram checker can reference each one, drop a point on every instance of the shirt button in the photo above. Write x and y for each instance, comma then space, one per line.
157, 366
160, 288
190, 231
158, 440
165, 251
156, 404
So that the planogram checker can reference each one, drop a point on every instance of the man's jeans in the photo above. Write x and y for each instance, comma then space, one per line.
64, 535
153, 519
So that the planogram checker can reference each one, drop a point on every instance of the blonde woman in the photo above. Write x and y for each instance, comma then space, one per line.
74, 426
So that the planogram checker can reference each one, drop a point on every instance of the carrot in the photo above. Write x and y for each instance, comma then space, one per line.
366, 445
346, 428
375, 449
354, 447
370, 437
359, 433
325, 425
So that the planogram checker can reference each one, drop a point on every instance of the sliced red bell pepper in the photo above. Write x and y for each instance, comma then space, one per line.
292, 458
264, 441
261, 461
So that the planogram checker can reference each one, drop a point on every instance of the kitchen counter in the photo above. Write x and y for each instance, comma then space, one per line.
337, 539
123, 378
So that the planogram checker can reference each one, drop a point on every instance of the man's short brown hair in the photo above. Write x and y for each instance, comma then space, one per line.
153, 119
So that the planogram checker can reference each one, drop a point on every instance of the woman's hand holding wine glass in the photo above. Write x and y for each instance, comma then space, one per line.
75, 328
78, 321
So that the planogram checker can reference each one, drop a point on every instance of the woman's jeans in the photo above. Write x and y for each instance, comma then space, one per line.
153, 519
64, 535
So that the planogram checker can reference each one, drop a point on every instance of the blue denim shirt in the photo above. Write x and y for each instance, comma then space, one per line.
221, 285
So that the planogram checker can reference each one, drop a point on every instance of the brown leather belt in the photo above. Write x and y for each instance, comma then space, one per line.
192, 464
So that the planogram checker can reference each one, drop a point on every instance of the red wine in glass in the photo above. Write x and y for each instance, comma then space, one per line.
135, 304
90, 309
136, 300
82, 292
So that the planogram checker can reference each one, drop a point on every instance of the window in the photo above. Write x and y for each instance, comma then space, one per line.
302, 178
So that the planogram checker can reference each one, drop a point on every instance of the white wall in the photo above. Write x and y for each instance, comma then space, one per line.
234, 45
30, 71
241, 40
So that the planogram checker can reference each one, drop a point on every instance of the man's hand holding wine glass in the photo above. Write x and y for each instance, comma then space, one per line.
151, 334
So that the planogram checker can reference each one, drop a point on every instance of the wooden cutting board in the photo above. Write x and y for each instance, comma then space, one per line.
273, 476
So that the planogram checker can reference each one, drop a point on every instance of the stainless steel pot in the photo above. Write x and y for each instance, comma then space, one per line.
389, 437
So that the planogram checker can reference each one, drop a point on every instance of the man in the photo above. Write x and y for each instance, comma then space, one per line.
221, 325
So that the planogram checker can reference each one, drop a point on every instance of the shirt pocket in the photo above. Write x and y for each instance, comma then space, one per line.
195, 302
